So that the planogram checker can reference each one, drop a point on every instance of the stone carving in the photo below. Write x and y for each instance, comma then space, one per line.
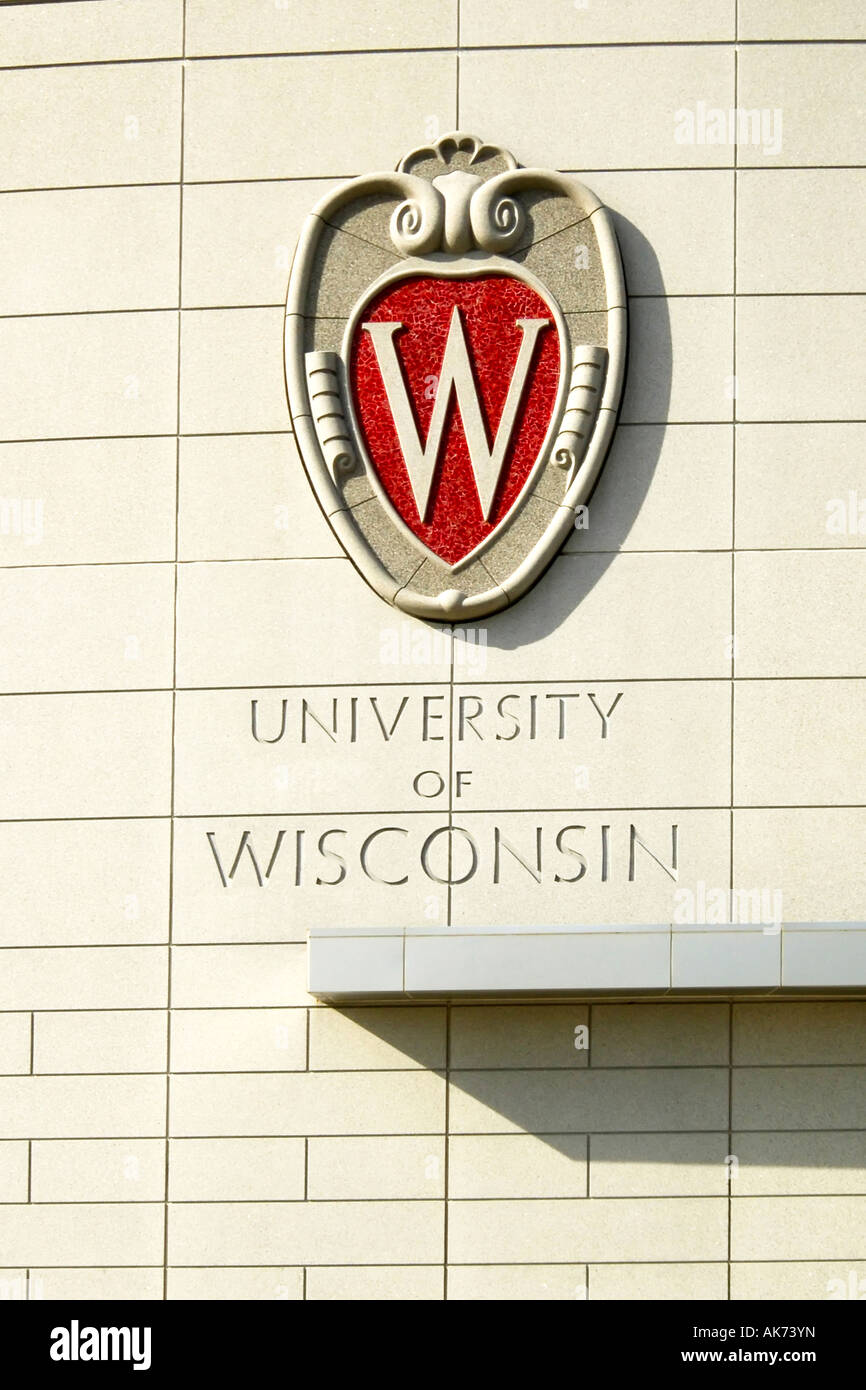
455, 351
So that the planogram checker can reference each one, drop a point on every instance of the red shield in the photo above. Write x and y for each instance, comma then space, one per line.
491, 345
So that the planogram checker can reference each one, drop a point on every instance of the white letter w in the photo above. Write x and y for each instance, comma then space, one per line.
456, 375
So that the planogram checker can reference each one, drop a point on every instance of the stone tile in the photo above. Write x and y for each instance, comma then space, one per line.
126, 642
658, 1165
796, 613
517, 1165
801, 486
815, 204
88, 501
798, 1228
663, 487
674, 228
798, 1098
794, 1279
789, 363
665, 1229
92, 1233
13, 1172
565, 81
641, 1282
686, 348
593, 888
266, 506
86, 1233
303, 1103
89, 977
519, 1035
77, 34
236, 1170
347, 636
659, 1035
375, 1284
321, 1233
239, 238
777, 761
81, 1107
89, 374
108, 883
505, 1102
282, 909
311, 28
590, 745
220, 765
387, 1039
15, 1044
98, 1170
794, 1164
484, 22
105, 1284
242, 976
787, 77
523, 1283
774, 19
120, 126
59, 260
232, 371
116, 1041
616, 618
374, 1169
797, 853
238, 1040
785, 1034
377, 110
109, 755
229, 1284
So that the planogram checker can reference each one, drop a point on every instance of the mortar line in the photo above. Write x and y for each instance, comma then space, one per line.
383, 51
343, 175
174, 676
457, 72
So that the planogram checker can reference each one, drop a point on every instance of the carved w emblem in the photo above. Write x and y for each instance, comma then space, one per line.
455, 376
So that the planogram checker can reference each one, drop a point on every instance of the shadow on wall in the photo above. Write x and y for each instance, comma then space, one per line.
623, 481
653, 1083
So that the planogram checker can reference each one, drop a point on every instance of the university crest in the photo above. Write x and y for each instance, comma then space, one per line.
455, 348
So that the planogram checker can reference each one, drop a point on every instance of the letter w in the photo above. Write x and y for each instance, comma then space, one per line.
456, 375
245, 845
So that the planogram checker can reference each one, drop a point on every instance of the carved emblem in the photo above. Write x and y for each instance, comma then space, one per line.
455, 349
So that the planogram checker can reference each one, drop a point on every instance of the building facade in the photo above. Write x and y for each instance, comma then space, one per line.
216, 739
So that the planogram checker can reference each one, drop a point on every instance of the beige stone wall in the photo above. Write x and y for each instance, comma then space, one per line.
177, 1116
